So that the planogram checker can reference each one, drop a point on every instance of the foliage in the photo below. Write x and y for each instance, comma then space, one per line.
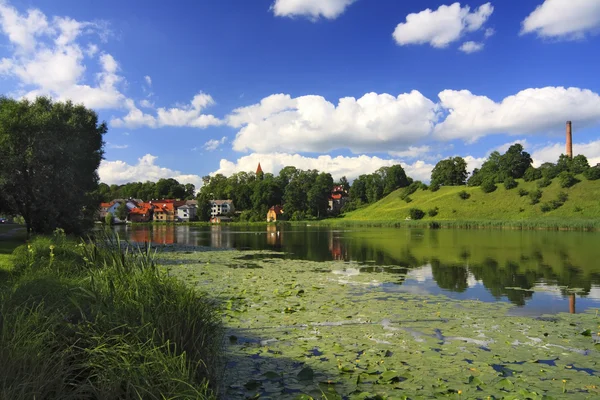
579, 164
561, 199
532, 174
433, 212
146, 191
549, 170
463, 194
498, 167
522, 192
407, 199
434, 188
567, 179
488, 186
544, 182
122, 211
108, 219
49, 155
593, 173
373, 187
101, 321
416, 213
535, 196
410, 189
510, 183
450, 172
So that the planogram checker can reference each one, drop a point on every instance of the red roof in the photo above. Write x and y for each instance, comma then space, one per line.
259, 169
106, 205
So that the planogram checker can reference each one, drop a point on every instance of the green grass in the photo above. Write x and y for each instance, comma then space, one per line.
502, 208
98, 321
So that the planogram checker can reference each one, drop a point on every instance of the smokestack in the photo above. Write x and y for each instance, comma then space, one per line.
569, 139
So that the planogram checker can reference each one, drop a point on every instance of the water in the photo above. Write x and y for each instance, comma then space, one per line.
538, 271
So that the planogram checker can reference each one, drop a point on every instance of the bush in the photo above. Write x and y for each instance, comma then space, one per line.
424, 186
108, 219
433, 212
434, 187
592, 174
554, 204
522, 192
535, 196
488, 186
532, 174
567, 179
416, 213
510, 183
410, 189
546, 207
464, 195
408, 199
563, 197
544, 182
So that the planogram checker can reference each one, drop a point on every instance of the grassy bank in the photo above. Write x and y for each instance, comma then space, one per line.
500, 209
89, 321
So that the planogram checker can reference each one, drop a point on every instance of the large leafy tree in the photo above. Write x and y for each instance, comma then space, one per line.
449, 172
49, 156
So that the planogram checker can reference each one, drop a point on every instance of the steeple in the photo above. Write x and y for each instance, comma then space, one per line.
259, 169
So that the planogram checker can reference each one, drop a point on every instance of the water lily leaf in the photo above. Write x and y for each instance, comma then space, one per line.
505, 384
271, 375
389, 376
303, 397
306, 374
252, 385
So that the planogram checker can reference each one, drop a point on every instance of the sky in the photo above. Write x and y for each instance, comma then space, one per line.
194, 88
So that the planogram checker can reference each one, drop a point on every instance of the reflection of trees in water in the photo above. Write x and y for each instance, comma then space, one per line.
496, 279
450, 277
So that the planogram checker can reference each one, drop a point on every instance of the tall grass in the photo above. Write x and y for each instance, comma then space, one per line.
99, 320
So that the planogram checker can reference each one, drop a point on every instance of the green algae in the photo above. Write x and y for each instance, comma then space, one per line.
325, 330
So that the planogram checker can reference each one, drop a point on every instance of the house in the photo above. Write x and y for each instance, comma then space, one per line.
221, 207
106, 208
186, 213
337, 199
219, 219
275, 214
165, 210
142, 213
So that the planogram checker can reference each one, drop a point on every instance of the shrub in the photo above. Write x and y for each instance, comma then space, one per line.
410, 189
578, 209
434, 187
108, 219
488, 186
424, 186
563, 197
546, 207
535, 196
567, 179
544, 182
433, 212
522, 192
408, 199
532, 174
510, 183
592, 174
416, 213
464, 195
554, 204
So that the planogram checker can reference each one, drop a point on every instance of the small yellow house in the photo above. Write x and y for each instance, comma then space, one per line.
275, 214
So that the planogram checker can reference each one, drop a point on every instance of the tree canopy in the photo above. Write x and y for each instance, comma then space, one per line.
49, 156
498, 167
449, 172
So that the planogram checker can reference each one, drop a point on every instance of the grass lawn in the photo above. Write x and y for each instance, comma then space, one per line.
11, 237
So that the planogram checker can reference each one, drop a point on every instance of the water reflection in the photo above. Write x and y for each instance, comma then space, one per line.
532, 269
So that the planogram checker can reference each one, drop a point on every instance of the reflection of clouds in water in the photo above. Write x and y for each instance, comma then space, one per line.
425, 274
556, 292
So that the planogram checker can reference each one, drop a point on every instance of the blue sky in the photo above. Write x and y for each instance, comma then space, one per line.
345, 86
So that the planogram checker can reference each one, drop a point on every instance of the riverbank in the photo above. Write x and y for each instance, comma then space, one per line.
83, 321
525, 207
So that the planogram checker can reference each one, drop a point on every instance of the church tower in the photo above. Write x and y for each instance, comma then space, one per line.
259, 169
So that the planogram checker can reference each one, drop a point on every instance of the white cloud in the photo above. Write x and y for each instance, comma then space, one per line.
350, 167
530, 111
148, 80
47, 60
551, 152
443, 26
564, 19
489, 32
214, 144
312, 9
119, 172
146, 103
412, 152
313, 124
117, 146
471, 47
189, 115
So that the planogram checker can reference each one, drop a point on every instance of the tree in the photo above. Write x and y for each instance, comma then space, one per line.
393, 178
343, 182
190, 191
318, 195
122, 211
532, 174
49, 156
450, 172
515, 162
579, 164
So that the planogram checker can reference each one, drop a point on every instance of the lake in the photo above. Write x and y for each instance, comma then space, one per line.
540, 272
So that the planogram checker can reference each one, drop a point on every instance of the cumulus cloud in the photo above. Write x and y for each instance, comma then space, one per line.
350, 167
471, 47
564, 19
190, 115
313, 9
148, 80
313, 124
443, 26
117, 146
551, 152
119, 172
411, 152
530, 111
214, 144
47, 60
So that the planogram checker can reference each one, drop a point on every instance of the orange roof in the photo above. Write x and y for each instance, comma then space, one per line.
106, 205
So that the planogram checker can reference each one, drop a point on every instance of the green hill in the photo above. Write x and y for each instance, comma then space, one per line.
502, 207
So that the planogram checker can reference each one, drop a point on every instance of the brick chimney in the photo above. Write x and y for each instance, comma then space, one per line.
569, 139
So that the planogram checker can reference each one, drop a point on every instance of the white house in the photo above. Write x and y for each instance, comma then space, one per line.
221, 207
186, 213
